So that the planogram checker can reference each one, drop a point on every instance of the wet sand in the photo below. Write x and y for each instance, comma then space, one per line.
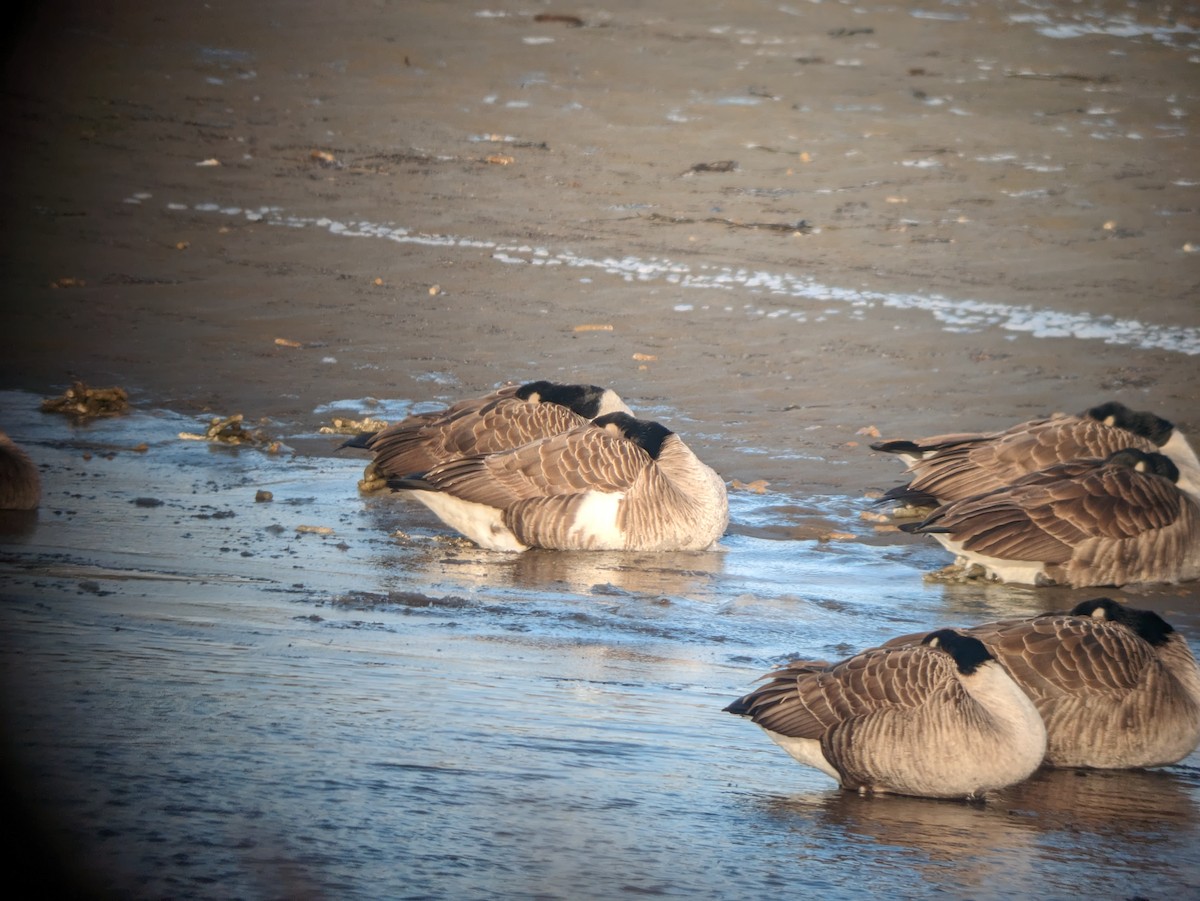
776, 227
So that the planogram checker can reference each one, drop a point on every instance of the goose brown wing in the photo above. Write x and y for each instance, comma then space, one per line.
499, 424
806, 700
1109, 501
507, 424
1056, 656
1042, 516
964, 469
939, 444
587, 458
921, 447
998, 525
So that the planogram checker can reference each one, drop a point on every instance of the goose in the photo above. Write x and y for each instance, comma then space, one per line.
20, 484
616, 483
951, 467
505, 418
1089, 522
1117, 687
940, 718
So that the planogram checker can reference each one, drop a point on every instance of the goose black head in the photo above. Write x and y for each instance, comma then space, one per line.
643, 432
1148, 462
1140, 422
968, 652
589, 401
1146, 624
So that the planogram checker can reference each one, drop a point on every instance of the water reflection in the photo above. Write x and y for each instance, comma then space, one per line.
17, 525
1106, 802
605, 574
1039, 830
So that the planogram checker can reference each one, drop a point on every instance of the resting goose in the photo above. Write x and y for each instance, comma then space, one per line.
508, 417
951, 467
1090, 522
1116, 686
617, 483
20, 484
936, 719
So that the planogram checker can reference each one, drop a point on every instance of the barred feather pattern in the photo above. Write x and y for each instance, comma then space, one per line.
955, 467
1109, 698
502, 424
506, 418
1087, 523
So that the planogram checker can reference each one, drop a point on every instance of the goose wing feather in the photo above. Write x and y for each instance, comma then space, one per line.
1058, 655
964, 469
1053, 656
587, 458
937, 444
499, 424
806, 700
1045, 514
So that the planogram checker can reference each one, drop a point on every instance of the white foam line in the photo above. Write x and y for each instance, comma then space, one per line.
956, 315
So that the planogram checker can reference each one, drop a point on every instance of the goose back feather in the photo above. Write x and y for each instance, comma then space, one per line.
1117, 687
945, 468
506, 418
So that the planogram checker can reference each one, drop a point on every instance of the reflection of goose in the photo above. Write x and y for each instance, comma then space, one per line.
1090, 522
1107, 802
938, 719
951, 467
1091, 806
1117, 687
505, 418
20, 484
617, 483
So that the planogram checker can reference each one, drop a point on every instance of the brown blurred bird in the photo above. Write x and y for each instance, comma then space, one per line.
20, 484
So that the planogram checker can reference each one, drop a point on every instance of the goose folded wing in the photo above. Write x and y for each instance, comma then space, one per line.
584, 459
1114, 502
1059, 656
804, 701
999, 525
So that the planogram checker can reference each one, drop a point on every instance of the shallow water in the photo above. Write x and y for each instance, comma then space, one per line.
207, 701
